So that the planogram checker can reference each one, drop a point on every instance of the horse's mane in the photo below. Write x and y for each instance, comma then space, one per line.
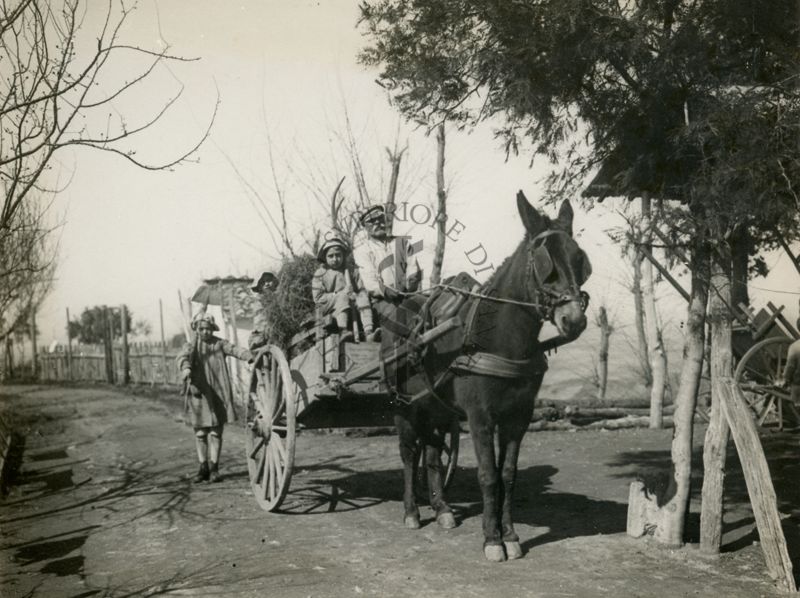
502, 269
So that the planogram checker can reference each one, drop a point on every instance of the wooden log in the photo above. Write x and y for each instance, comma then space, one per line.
759, 484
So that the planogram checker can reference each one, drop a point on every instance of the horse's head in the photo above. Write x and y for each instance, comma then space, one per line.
557, 267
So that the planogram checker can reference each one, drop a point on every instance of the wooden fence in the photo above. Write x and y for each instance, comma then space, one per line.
148, 363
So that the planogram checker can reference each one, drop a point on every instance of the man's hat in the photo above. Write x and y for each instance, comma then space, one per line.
202, 316
332, 241
265, 277
371, 213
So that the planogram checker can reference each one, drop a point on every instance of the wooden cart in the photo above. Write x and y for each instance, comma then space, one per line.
323, 383
761, 358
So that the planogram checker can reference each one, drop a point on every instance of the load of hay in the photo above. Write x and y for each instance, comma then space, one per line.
291, 303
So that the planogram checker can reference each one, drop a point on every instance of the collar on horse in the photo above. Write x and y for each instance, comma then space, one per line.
539, 298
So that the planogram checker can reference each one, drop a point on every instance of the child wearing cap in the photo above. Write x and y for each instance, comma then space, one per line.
335, 285
205, 373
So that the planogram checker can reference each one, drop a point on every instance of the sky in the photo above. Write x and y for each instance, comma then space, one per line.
284, 74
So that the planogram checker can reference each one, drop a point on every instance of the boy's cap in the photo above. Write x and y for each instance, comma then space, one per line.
331, 242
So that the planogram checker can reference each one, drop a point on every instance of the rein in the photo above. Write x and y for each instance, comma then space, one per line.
545, 302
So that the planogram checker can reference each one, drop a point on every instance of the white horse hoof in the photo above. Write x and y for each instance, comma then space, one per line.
494, 553
412, 522
446, 520
513, 550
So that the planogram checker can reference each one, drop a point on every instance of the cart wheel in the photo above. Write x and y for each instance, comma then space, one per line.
757, 374
270, 428
449, 456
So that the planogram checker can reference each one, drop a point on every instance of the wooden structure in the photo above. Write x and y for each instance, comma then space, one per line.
323, 383
148, 363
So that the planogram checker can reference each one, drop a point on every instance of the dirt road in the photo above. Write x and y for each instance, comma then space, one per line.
103, 506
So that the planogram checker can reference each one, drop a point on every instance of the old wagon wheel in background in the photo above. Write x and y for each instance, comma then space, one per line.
757, 374
449, 458
270, 428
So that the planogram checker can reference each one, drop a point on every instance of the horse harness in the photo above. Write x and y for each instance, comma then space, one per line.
543, 300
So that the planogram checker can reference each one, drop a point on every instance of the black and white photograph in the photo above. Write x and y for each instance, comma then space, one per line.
399, 298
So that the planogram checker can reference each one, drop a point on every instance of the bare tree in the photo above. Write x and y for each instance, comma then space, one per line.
61, 88
655, 343
606, 328
27, 263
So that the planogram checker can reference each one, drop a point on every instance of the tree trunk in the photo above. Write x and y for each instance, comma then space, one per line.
636, 289
716, 439
741, 248
441, 209
656, 351
671, 526
602, 374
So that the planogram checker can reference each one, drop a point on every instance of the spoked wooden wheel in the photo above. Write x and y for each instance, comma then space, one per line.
270, 428
757, 375
449, 461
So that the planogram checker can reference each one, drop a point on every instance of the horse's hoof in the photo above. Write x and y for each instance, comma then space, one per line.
446, 520
513, 550
412, 521
494, 553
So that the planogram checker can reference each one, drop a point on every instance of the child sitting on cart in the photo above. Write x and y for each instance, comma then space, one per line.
336, 285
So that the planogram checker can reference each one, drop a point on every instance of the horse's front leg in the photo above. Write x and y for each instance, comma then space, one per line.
408, 453
433, 465
482, 432
510, 435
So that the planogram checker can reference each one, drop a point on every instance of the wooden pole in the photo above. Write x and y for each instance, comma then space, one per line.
441, 209
759, 484
717, 433
34, 368
109, 344
69, 350
235, 335
163, 341
605, 333
126, 378
186, 316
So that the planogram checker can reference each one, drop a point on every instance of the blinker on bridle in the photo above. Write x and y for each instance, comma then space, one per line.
539, 293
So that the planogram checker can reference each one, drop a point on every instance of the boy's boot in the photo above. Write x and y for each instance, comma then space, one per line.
215, 477
341, 324
366, 322
203, 474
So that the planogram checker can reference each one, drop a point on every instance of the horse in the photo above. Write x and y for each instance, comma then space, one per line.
492, 371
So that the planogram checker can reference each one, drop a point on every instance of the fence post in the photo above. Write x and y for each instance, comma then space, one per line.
163, 342
34, 369
69, 350
237, 370
108, 349
123, 310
